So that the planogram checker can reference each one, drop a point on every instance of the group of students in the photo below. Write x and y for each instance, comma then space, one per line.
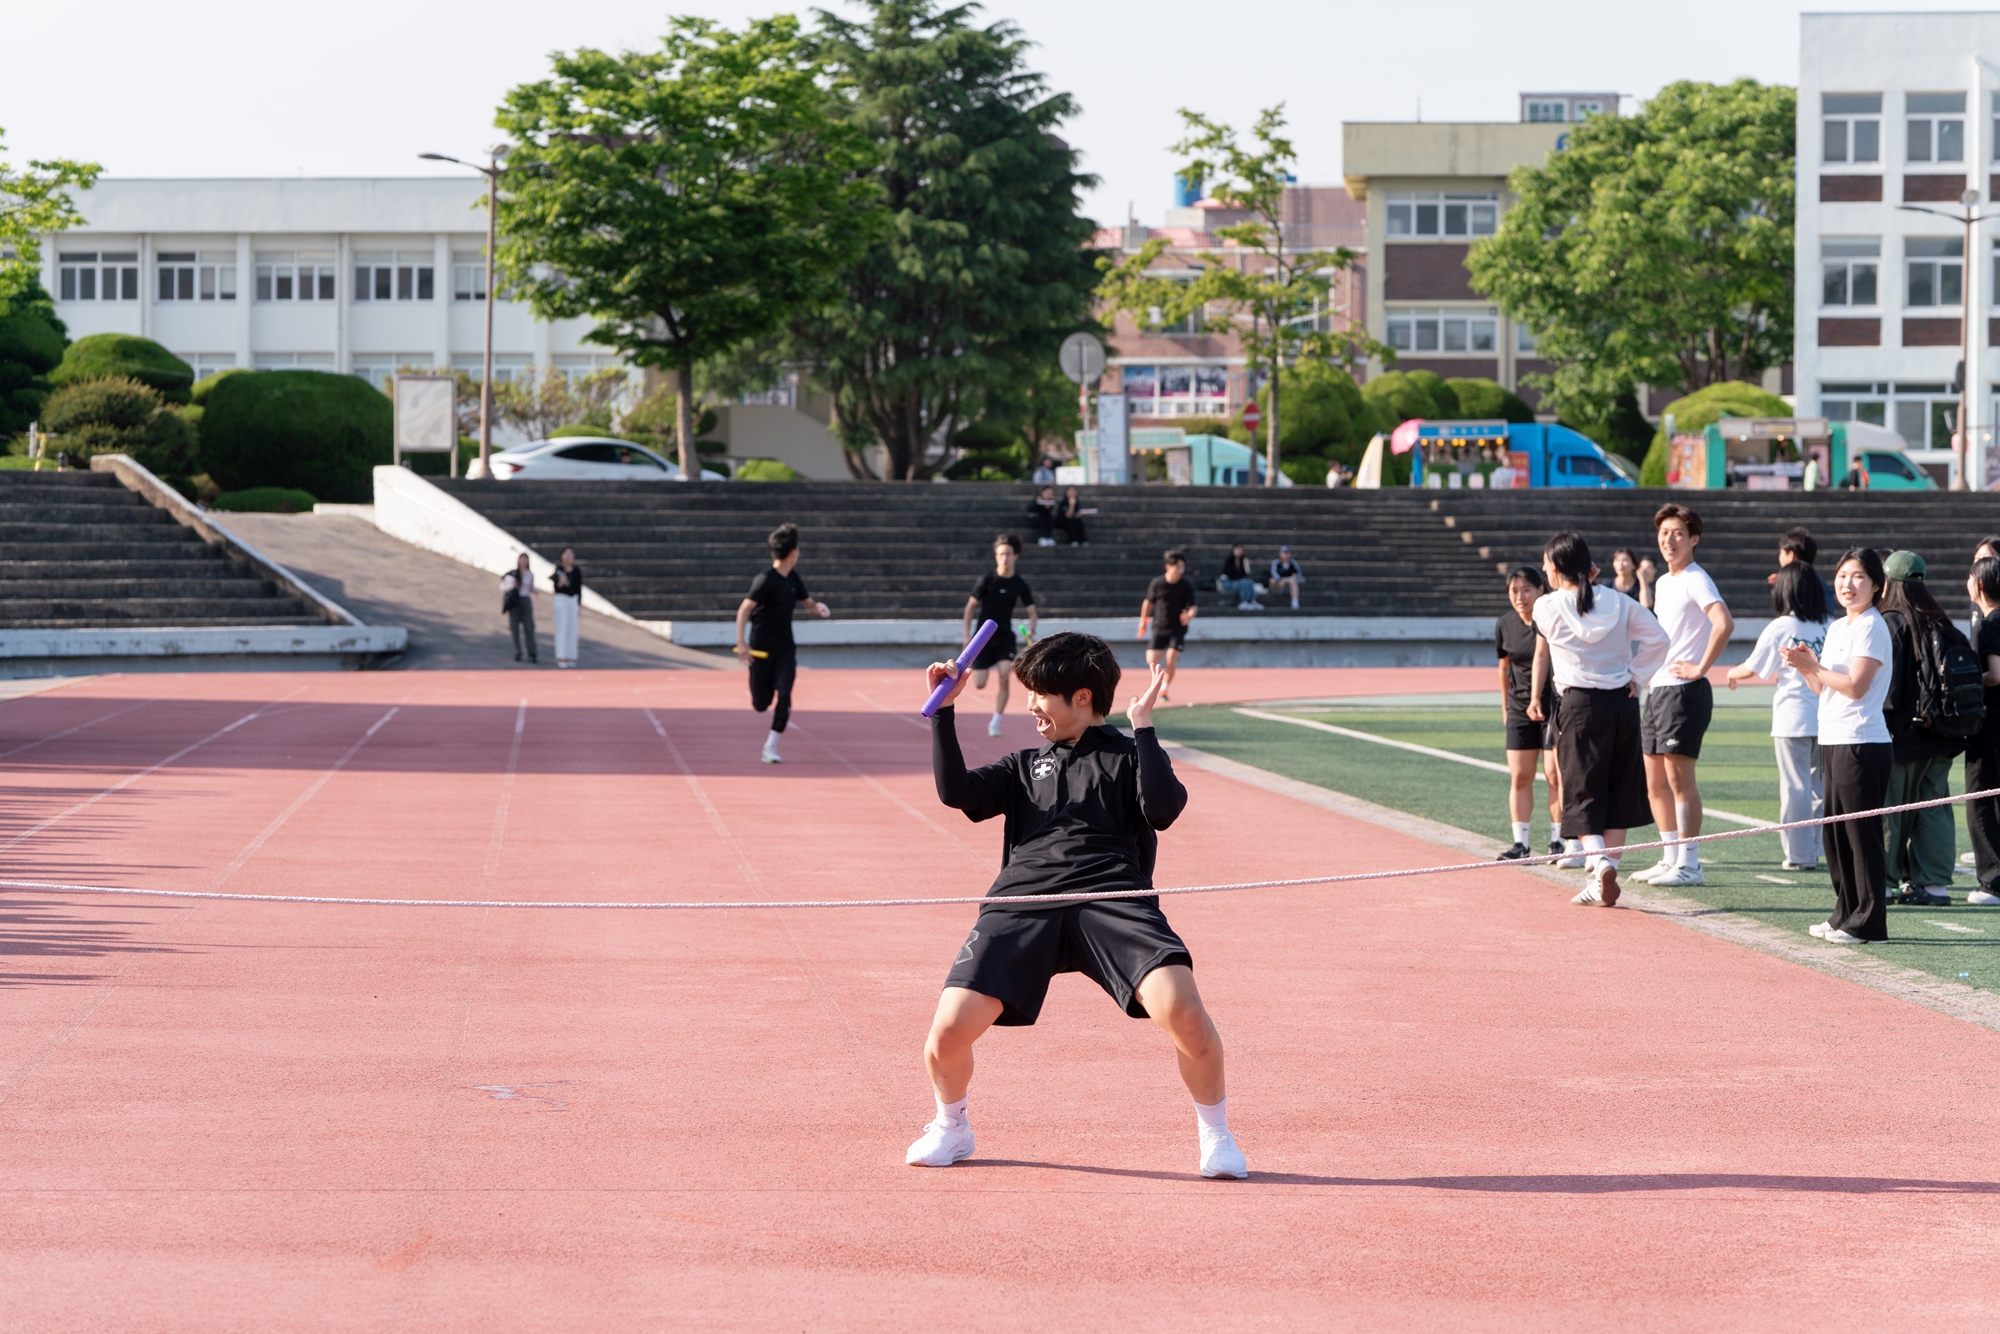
1870, 708
517, 604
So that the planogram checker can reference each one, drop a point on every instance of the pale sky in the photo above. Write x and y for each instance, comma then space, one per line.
214, 88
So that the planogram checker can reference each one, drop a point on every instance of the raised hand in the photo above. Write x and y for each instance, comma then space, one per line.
1140, 711
945, 671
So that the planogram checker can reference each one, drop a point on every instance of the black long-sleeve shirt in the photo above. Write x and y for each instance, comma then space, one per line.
1081, 818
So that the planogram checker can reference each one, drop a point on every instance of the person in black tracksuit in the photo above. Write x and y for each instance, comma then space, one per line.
769, 648
1982, 753
1082, 812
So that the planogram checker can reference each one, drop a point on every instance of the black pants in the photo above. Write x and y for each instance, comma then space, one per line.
772, 676
1072, 524
1597, 752
1857, 779
1044, 520
521, 625
1982, 818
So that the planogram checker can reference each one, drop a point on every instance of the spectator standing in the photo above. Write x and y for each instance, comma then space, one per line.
1799, 617
1069, 518
1235, 579
1851, 677
769, 649
993, 599
1595, 645
1286, 575
567, 580
517, 600
1531, 743
1042, 514
1045, 472
1982, 753
1923, 845
1680, 703
1166, 614
1632, 577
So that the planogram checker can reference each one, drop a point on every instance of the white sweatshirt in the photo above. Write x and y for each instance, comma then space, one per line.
1617, 642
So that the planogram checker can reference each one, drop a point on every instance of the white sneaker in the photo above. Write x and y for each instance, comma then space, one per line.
1601, 887
1219, 1155
1819, 929
1678, 877
1968, 859
1573, 862
771, 756
1651, 873
1981, 898
993, 727
1835, 936
941, 1144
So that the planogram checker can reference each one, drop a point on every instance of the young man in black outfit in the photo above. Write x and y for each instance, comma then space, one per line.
769, 649
993, 599
1982, 752
1168, 610
1082, 812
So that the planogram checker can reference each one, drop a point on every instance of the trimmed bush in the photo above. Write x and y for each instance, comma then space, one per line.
120, 416
1321, 412
1481, 399
770, 470
265, 500
200, 390
106, 356
31, 345
1397, 396
311, 430
1704, 407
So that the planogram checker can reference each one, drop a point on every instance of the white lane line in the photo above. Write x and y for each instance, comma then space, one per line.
126, 782
1954, 926
1777, 880
101, 718
1749, 821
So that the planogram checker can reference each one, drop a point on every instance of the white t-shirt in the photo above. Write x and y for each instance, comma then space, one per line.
1856, 722
1794, 709
1680, 603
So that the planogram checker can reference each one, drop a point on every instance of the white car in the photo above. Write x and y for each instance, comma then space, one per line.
581, 458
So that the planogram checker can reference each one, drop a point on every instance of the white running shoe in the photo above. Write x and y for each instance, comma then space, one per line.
1835, 936
941, 1144
1819, 929
1574, 862
993, 727
1219, 1155
1651, 874
1968, 859
771, 756
1601, 887
1678, 877
1980, 898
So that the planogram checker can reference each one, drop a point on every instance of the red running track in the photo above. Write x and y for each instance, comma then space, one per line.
1466, 1103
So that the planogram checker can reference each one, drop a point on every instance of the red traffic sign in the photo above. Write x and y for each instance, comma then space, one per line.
1251, 417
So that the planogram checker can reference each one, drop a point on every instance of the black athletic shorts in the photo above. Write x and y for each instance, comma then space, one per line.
1597, 753
1524, 733
1169, 639
1000, 648
1012, 954
1677, 718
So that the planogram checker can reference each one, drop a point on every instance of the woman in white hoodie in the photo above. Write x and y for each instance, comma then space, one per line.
1597, 644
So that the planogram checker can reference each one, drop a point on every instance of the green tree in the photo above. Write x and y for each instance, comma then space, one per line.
33, 204
688, 199
1480, 399
31, 345
1655, 248
1269, 293
1702, 408
119, 415
1325, 414
106, 356
980, 264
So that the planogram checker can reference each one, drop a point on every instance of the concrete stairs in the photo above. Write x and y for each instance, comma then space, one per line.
78, 550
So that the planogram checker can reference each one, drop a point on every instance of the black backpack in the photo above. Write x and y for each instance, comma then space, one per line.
1951, 696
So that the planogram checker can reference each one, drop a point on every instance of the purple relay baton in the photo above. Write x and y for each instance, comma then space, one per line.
963, 661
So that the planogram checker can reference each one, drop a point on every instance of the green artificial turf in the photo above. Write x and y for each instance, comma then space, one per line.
1738, 773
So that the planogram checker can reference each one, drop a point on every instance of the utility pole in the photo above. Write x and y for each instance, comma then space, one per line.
1277, 352
492, 173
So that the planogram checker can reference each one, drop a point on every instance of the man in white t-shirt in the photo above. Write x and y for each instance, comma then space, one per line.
1680, 702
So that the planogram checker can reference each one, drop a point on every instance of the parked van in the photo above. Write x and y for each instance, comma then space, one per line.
1505, 456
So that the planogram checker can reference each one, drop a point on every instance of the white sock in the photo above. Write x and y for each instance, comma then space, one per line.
1213, 1117
1670, 855
996, 715
952, 1112
771, 742
1689, 854
1522, 828
1572, 845
1593, 848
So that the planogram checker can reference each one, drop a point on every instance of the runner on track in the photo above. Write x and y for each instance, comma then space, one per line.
1082, 813
772, 656
1168, 610
993, 599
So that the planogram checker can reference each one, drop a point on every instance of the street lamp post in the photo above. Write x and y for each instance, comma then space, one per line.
492, 174
1966, 341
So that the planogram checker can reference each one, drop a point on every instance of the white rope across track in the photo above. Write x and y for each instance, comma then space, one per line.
1011, 900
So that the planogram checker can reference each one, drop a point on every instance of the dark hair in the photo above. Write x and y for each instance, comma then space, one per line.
1986, 573
1174, 556
1067, 662
783, 541
1529, 573
1008, 540
1626, 551
1870, 562
1910, 597
1993, 542
1671, 510
1801, 544
1796, 591
1569, 554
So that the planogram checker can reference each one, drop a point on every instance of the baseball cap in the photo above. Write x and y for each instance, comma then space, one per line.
1904, 565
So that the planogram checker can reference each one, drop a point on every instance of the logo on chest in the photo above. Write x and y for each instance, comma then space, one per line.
1044, 767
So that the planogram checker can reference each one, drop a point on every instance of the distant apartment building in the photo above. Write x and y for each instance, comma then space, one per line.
1894, 111
1196, 367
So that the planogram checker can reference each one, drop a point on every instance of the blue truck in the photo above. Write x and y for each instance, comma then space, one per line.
1511, 456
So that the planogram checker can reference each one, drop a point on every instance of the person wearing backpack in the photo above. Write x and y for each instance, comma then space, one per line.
1982, 753
1936, 703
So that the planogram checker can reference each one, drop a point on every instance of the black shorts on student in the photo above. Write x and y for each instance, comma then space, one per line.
1012, 953
1169, 639
1597, 753
1524, 733
1677, 718
1003, 647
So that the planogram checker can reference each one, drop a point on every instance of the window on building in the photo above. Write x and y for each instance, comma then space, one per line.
1936, 127
188, 275
1847, 269
1936, 268
206, 364
395, 275
295, 276
1523, 340
1418, 213
1921, 413
506, 369
1851, 127
379, 369
1996, 137
286, 361
1418, 330
1548, 111
468, 276
1851, 402
111, 275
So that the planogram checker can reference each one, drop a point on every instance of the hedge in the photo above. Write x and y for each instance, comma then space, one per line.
119, 416
31, 345
103, 356
312, 430
265, 500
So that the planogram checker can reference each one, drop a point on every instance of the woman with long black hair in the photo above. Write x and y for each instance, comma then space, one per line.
1922, 844
1851, 676
1597, 644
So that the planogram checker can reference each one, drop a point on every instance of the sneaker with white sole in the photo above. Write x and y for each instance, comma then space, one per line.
1835, 936
771, 756
1968, 859
942, 1144
1819, 929
1678, 878
993, 728
1601, 887
1219, 1155
1575, 863
1979, 898
1657, 869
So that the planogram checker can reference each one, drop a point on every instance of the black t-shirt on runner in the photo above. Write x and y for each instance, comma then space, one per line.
997, 596
1514, 640
1168, 601
771, 619
1985, 642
